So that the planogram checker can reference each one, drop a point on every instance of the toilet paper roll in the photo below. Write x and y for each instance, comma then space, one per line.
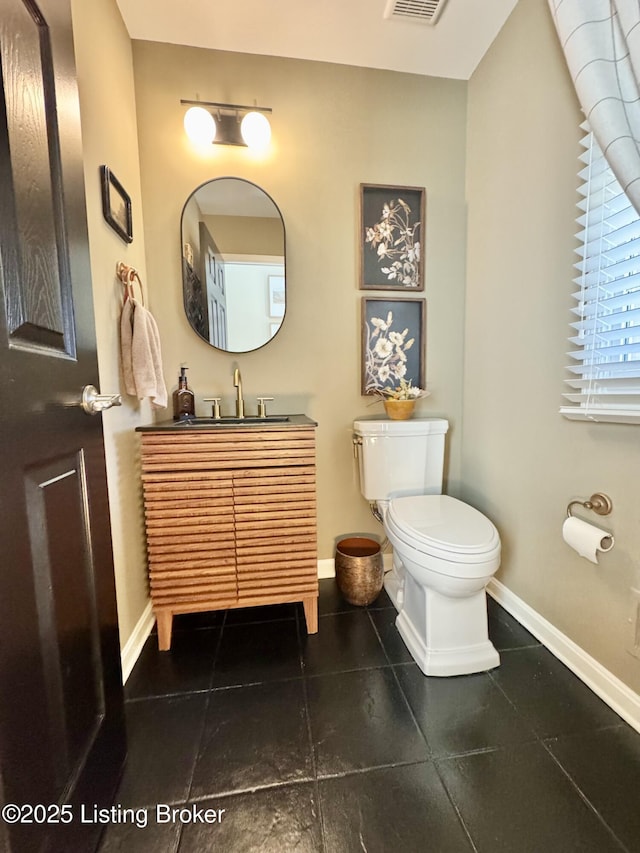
586, 539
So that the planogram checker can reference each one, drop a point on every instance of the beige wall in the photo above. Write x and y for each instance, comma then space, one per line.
521, 461
105, 78
246, 235
333, 127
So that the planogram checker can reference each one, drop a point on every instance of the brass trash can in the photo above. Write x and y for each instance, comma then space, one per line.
359, 572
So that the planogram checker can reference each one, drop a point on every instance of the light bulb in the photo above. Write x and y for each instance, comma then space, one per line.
256, 130
199, 125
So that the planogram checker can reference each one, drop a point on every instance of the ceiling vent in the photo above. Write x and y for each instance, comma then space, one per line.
419, 11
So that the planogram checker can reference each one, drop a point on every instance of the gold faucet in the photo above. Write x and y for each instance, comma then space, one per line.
237, 382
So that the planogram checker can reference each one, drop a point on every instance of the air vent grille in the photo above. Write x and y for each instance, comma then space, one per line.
420, 11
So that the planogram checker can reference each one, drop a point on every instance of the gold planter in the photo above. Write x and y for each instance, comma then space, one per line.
399, 410
359, 572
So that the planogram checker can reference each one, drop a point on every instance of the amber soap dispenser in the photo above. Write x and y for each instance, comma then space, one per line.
184, 403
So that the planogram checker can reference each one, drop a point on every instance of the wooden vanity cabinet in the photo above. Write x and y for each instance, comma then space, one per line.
230, 519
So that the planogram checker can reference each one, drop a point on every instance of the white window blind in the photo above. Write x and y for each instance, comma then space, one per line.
604, 367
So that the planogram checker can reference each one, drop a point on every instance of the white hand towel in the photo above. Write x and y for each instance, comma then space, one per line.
141, 354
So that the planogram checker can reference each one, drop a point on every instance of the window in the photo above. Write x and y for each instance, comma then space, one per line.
604, 368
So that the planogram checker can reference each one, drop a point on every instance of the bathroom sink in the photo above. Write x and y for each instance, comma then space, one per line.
231, 421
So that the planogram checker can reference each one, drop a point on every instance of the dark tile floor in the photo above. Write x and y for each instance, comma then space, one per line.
337, 742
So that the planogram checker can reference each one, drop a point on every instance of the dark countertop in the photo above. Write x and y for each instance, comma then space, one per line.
202, 424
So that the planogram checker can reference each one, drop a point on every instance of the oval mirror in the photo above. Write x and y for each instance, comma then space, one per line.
233, 264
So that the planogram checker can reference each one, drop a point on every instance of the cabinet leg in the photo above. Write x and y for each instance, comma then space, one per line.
311, 614
165, 621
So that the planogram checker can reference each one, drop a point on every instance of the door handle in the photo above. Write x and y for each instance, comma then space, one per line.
92, 402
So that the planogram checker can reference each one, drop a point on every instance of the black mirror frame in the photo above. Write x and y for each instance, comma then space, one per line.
187, 307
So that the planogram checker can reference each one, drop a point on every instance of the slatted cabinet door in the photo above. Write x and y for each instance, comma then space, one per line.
231, 520
276, 540
190, 538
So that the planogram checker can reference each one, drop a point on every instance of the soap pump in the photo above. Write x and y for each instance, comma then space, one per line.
184, 404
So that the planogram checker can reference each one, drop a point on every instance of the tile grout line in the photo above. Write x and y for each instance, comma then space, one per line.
307, 711
402, 693
205, 713
519, 714
270, 786
254, 789
176, 848
455, 806
222, 688
583, 796
249, 622
542, 741
362, 771
428, 745
540, 737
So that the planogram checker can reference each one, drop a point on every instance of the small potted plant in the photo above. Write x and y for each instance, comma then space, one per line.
399, 402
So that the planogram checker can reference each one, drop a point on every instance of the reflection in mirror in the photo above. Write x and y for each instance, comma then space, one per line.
233, 264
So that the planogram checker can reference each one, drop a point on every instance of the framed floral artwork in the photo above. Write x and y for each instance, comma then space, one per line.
393, 343
392, 232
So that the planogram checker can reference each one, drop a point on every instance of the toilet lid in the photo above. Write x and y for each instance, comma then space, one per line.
442, 524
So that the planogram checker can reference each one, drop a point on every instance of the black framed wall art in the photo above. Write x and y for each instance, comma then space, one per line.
116, 205
392, 232
393, 343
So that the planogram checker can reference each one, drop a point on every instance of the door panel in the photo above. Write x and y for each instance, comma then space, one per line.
37, 298
69, 637
61, 708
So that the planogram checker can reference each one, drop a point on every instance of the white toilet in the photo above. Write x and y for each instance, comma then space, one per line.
445, 552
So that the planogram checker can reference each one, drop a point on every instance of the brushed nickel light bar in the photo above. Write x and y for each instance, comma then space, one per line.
227, 124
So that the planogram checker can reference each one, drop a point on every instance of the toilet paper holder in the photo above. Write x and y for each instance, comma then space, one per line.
598, 502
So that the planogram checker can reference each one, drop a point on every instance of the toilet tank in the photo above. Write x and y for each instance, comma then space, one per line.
398, 458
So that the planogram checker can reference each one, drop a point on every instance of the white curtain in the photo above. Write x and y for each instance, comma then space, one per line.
601, 43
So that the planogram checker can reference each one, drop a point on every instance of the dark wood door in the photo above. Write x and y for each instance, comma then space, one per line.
61, 711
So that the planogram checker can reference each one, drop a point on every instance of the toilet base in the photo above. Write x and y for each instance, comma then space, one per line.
446, 636
394, 585
443, 662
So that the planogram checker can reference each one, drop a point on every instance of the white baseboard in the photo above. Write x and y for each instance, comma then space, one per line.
604, 684
133, 646
326, 569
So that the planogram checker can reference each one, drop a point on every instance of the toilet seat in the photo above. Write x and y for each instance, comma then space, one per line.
444, 528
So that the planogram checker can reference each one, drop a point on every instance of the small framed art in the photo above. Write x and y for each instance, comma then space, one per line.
276, 296
116, 205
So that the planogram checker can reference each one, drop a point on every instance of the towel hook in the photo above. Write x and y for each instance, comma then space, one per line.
127, 276
598, 502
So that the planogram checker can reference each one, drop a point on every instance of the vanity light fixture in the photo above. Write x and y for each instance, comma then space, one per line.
227, 124
199, 125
